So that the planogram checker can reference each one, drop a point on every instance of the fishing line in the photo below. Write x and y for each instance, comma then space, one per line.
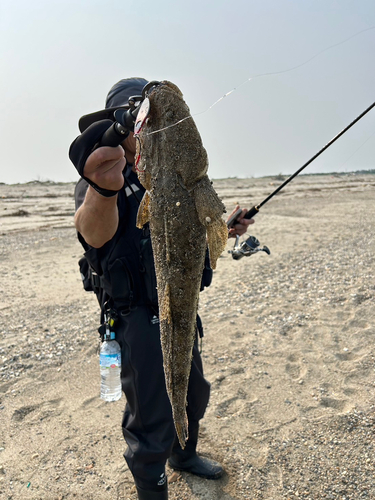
351, 156
259, 76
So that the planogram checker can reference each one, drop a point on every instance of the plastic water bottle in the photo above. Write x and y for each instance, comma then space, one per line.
110, 368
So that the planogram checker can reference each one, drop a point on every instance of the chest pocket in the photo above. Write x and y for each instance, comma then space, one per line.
121, 282
147, 271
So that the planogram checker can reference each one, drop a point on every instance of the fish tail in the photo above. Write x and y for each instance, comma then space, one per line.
182, 431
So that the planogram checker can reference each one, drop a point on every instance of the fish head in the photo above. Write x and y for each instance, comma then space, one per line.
169, 139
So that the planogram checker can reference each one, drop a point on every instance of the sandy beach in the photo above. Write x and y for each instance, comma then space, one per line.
288, 349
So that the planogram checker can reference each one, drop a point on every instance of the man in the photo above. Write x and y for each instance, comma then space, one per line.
123, 276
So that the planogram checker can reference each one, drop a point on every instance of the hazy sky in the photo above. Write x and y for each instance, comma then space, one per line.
60, 57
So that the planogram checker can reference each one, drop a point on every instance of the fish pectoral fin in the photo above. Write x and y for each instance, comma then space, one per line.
143, 215
208, 204
210, 210
217, 237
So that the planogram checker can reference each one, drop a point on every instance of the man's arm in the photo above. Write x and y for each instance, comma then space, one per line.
97, 218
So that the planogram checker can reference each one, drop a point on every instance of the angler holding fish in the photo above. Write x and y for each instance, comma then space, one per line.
145, 242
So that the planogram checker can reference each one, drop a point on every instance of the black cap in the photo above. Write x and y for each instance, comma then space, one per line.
117, 98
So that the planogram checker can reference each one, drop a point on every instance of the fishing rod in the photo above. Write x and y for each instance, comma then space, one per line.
255, 209
251, 245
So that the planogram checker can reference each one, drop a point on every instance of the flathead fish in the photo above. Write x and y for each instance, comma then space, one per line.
185, 214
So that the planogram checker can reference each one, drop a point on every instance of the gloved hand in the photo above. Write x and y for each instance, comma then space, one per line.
81, 149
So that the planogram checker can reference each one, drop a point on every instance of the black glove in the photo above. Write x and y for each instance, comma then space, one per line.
84, 145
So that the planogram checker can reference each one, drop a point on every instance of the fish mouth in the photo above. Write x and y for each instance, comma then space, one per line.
149, 87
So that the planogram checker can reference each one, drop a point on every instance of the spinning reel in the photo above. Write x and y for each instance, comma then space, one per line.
247, 248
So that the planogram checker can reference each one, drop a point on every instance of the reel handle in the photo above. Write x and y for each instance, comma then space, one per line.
123, 125
114, 135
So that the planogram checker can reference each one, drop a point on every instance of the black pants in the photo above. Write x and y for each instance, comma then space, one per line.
148, 424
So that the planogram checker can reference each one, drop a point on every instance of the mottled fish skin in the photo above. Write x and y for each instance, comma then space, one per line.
182, 208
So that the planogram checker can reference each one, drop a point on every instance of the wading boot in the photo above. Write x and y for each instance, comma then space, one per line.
187, 460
